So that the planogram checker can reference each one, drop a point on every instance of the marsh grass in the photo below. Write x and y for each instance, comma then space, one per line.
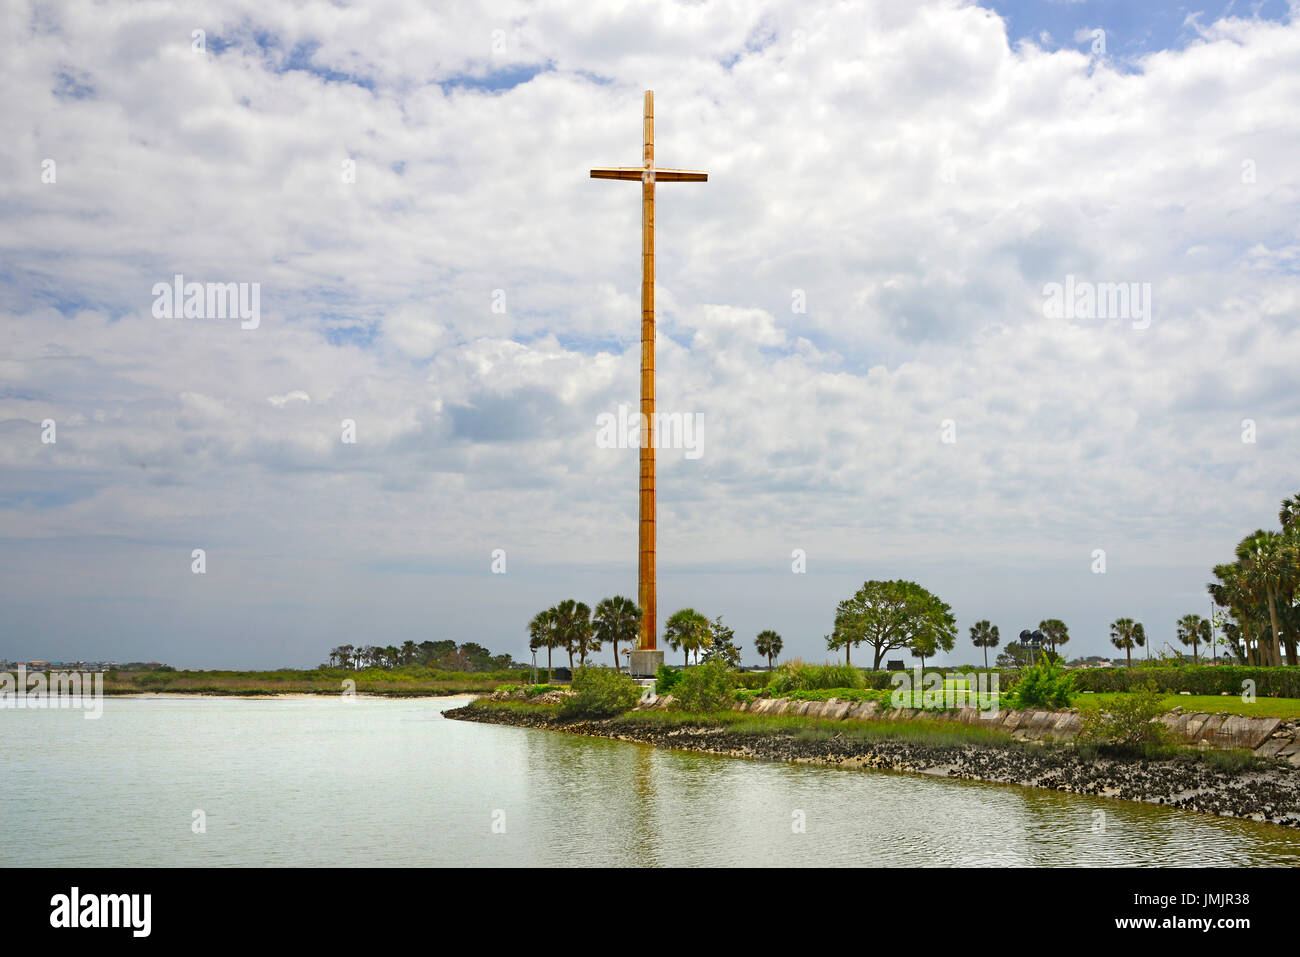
1232, 761
919, 731
408, 681
518, 707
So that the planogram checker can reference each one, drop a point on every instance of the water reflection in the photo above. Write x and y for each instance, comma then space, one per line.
318, 782
682, 808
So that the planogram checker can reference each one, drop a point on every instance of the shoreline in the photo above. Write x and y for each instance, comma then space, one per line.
259, 695
1269, 793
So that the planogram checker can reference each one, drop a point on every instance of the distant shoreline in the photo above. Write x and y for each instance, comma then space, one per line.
411, 681
258, 695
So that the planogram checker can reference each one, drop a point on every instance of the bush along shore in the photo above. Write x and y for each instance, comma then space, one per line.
1250, 770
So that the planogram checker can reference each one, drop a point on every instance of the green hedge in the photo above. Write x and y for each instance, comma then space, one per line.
880, 680
1195, 679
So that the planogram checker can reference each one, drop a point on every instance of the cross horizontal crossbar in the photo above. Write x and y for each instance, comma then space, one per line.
661, 175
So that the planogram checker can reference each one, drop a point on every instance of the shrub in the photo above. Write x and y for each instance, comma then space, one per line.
601, 693
797, 676
666, 678
1129, 723
153, 680
1044, 685
707, 687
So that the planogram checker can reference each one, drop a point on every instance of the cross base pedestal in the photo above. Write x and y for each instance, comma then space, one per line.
645, 663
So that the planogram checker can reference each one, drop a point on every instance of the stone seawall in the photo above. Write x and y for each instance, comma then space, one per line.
1267, 737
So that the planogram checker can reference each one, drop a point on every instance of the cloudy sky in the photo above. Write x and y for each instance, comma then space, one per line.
854, 303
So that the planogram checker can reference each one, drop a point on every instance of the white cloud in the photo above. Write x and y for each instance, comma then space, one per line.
913, 174
280, 401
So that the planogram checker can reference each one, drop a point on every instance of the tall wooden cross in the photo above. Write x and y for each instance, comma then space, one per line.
648, 176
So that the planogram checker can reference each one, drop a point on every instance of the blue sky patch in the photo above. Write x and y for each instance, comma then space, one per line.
495, 81
73, 86
1132, 29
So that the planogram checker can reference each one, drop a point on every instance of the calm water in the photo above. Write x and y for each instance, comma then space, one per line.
315, 781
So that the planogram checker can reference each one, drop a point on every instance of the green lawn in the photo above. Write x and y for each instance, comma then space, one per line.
1287, 708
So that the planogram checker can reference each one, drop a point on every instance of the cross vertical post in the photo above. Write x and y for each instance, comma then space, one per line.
648, 174
647, 577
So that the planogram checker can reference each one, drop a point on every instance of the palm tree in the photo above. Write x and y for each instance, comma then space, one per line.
1289, 514
584, 634
702, 636
768, 644
688, 631
542, 634
564, 612
1055, 631
1127, 634
617, 619
984, 635
409, 649
573, 628
1232, 593
1192, 630
838, 639
1268, 563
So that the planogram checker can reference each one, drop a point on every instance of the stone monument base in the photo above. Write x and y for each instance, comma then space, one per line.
645, 663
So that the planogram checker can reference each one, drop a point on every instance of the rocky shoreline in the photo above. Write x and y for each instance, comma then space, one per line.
1269, 792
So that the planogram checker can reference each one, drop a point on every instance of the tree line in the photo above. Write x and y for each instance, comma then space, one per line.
443, 655
902, 616
573, 627
1258, 594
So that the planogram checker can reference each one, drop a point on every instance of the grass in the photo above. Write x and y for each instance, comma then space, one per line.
1286, 708
885, 697
519, 707
926, 732
936, 733
398, 682
1228, 761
